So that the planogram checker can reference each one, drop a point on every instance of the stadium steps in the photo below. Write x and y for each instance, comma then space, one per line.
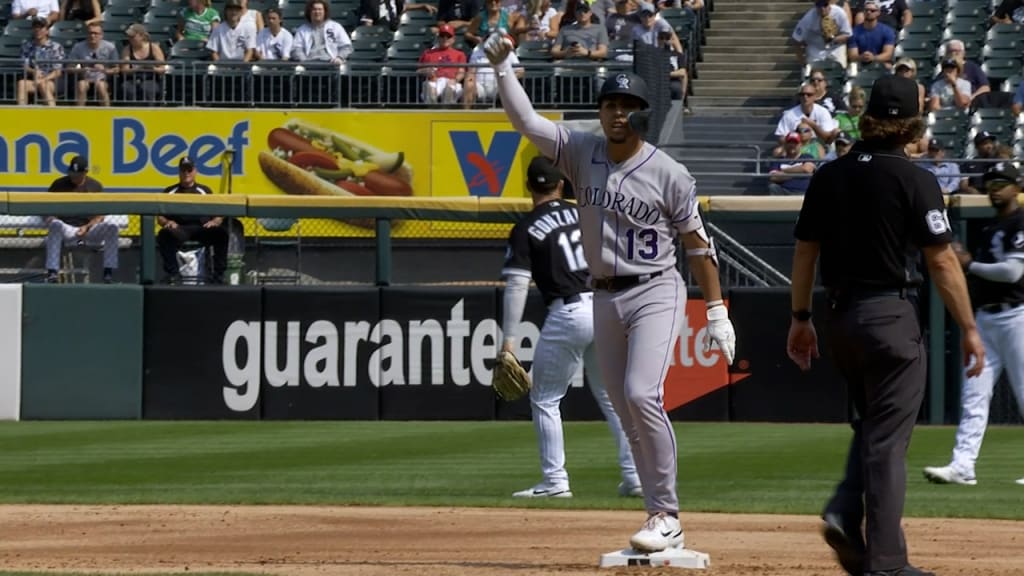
705, 139
748, 43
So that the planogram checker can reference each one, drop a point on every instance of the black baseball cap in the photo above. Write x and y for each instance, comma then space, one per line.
186, 162
982, 136
625, 83
582, 7
935, 144
1004, 171
844, 138
950, 63
894, 98
542, 175
40, 22
78, 165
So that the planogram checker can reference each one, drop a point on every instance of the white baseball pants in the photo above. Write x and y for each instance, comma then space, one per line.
566, 341
60, 234
637, 331
1002, 333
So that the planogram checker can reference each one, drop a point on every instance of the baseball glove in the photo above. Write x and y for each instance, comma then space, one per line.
510, 380
829, 27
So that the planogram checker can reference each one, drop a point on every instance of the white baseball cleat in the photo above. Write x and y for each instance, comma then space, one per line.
658, 533
1020, 481
948, 475
630, 490
542, 491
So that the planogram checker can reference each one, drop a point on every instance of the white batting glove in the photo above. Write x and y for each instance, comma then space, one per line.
721, 333
497, 48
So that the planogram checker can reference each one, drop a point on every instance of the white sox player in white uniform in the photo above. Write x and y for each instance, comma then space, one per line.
635, 202
545, 245
996, 277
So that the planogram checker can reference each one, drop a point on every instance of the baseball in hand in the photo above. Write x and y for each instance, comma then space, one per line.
497, 47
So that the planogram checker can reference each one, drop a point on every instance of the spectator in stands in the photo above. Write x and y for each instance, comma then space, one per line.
234, 40
894, 13
93, 76
947, 173
141, 82
872, 41
42, 64
845, 5
651, 28
321, 39
493, 17
602, 9
480, 84
844, 141
381, 13
679, 77
809, 113
1004, 152
443, 83
620, 23
458, 13
985, 147
907, 68
950, 90
581, 39
251, 17
824, 95
849, 120
197, 20
821, 34
76, 229
809, 143
1009, 12
85, 11
969, 70
537, 21
48, 10
790, 174
176, 230
275, 41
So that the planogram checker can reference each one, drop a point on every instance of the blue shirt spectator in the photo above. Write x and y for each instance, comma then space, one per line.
872, 41
947, 173
790, 174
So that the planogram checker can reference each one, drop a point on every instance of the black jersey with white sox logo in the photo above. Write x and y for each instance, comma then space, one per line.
1001, 240
546, 244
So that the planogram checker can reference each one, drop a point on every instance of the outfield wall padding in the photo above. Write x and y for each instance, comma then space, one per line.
82, 352
10, 351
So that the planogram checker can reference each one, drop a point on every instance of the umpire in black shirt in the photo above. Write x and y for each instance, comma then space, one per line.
176, 230
868, 214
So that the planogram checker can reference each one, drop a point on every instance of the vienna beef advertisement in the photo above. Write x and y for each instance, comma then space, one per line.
317, 153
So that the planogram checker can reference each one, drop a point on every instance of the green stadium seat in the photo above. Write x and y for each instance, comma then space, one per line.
1003, 47
1000, 69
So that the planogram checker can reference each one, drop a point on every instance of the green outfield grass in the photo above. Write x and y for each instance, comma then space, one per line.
771, 468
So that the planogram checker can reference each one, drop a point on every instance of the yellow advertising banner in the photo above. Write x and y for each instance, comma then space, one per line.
422, 153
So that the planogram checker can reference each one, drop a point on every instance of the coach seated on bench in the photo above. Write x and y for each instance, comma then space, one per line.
209, 231
79, 230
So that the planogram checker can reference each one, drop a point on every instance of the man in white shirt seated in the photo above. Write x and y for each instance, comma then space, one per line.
48, 9
233, 41
480, 84
274, 42
807, 112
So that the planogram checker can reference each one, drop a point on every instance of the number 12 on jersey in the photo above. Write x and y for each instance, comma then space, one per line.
642, 243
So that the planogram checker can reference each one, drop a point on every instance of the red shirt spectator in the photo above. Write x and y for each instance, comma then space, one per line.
444, 53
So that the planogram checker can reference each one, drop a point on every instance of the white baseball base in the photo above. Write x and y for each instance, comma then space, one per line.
672, 557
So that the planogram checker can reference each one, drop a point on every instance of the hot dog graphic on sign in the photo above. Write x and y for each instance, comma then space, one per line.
304, 159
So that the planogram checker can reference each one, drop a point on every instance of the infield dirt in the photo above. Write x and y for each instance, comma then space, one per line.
365, 541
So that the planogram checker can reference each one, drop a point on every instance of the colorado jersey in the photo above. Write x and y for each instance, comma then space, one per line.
631, 213
1001, 240
546, 245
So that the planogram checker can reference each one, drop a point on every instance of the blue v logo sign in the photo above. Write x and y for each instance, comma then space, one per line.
485, 174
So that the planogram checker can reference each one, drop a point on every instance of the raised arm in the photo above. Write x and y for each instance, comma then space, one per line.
543, 133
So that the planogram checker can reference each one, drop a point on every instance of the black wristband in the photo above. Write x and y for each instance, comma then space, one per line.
802, 315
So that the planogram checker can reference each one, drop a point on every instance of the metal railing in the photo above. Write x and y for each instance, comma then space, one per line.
285, 84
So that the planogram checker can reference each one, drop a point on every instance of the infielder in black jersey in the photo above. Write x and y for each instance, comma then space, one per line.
546, 245
995, 276
870, 214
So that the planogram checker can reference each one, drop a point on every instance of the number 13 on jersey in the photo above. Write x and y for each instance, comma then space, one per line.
642, 244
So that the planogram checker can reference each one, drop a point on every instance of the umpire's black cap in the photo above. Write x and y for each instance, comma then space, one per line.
542, 175
625, 83
894, 97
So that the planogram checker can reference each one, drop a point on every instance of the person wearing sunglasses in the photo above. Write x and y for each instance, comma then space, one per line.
893, 13
872, 41
996, 278
824, 94
807, 112
821, 34
176, 230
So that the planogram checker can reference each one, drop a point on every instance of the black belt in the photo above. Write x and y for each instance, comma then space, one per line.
999, 307
618, 283
849, 294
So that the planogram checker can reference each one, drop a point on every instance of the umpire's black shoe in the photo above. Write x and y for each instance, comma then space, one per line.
51, 277
907, 570
847, 541
108, 275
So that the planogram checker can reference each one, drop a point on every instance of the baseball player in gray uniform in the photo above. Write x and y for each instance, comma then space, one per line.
635, 203
546, 246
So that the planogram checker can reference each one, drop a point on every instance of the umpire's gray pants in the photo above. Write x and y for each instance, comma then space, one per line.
60, 234
635, 331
